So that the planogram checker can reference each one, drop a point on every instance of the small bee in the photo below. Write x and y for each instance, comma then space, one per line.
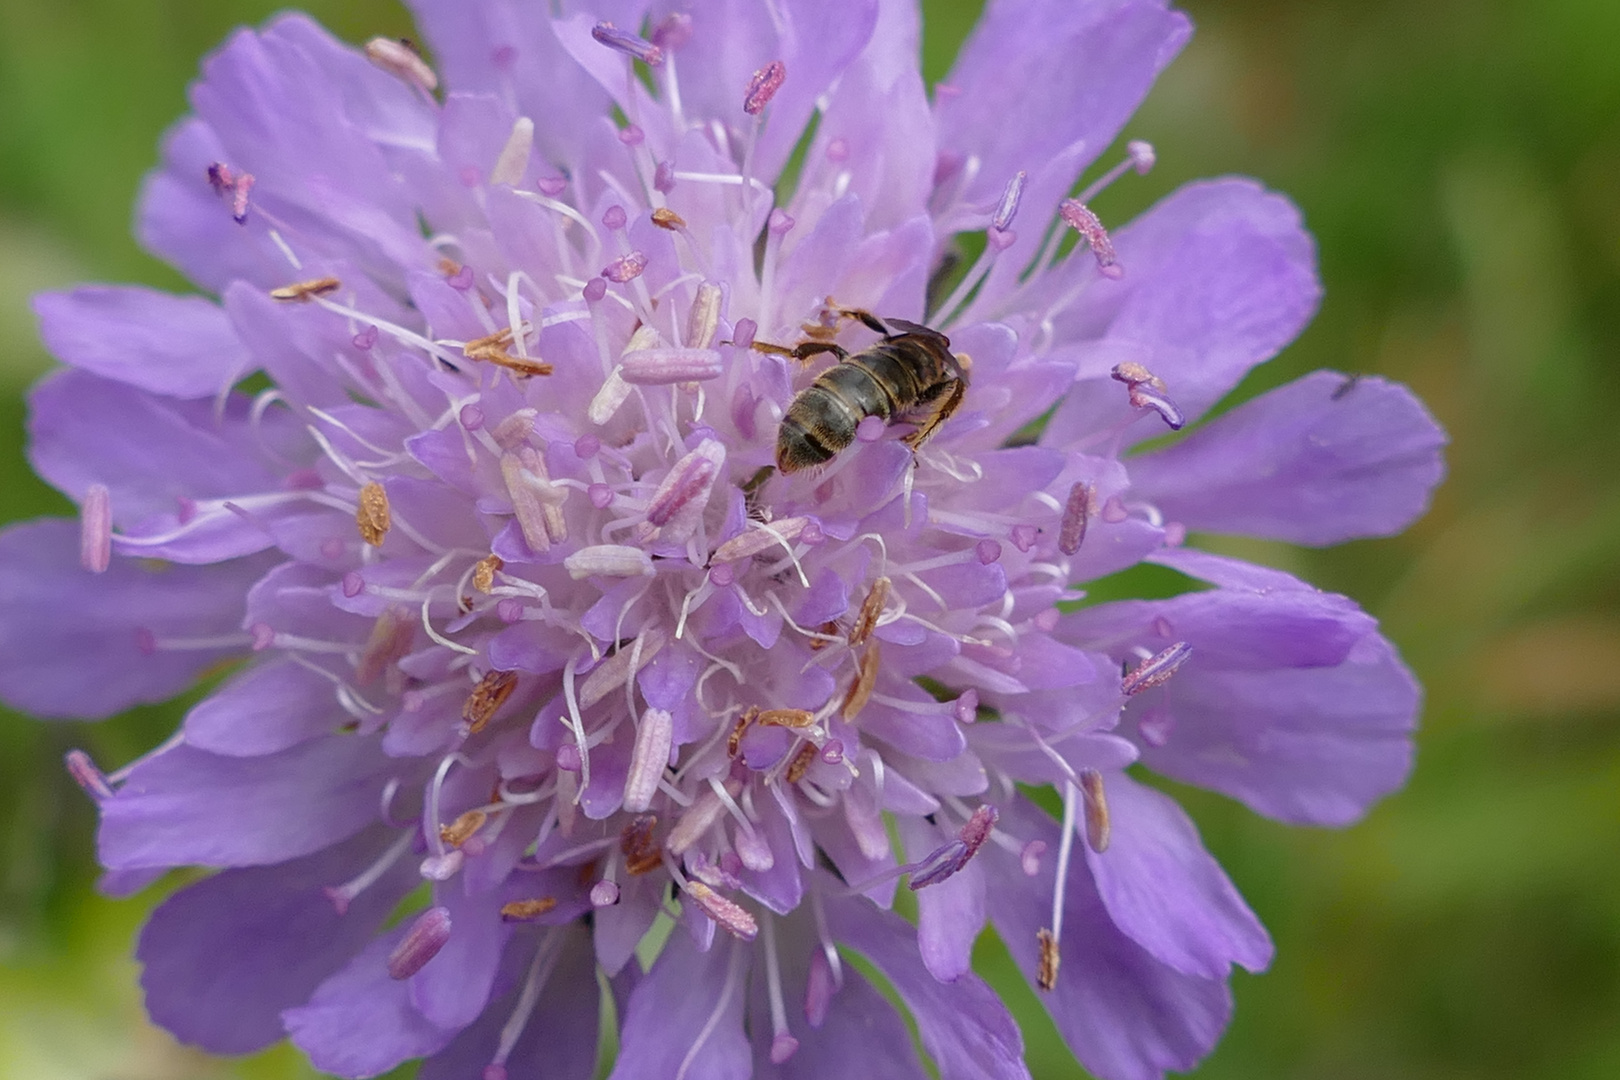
910, 370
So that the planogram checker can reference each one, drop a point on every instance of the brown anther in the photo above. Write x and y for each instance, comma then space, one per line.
464, 603
1047, 972
500, 339
448, 266
801, 762
860, 691
305, 290
391, 638
459, 831
1072, 530
587, 872
484, 573
1096, 806
527, 910
827, 630
871, 610
734, 743
665, 218
372, 514
640, 846
487, 698
1131, 373
492, 350
789, 718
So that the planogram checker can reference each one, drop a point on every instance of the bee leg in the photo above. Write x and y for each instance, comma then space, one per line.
866, 318
803, 351
955, 390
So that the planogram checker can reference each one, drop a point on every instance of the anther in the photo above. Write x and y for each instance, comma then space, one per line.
1147, 391
420, 944
626, 267
536, 501
704, 320
731, 916
788, 718
947, 859
1096, 810
95, 529
818, 989
487, 698
306, 290
1088, 225
1156, 670
742, 335
738, 730
871, 610
1072, 532
665, 218
527, 910
763, 86
225, 181
860, 691
372, 514
391, 637
88, 776
754, 541
664, 367
608, 560
1007, 208
1023, 537
629, 44
695, 821
648, 759
400, 60
514, 157
801, 762
1046, 972
594, 289
484, 572
459, 831
639, 845
1141, 155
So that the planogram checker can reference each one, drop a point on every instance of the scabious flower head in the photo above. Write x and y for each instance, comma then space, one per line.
464, 476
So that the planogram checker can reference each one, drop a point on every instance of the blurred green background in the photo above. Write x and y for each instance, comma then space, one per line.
1459, 162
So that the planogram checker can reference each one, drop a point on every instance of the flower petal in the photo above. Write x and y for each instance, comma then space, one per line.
951, 913
264, 710
671, 1031
1318, 461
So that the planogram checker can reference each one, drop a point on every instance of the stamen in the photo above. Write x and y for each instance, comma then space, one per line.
400, 60
871, 610
545, 961
536, 501
947, 859
307, 290
1156, 670
421, 943
661, 367
1046, 977
95, 529
459, 831
860, 691
1097, 826
746, 720
390, 640
760, 536
1088, 225
664, 177
223, 181
372, 516
626, 267
608, 560
818, 990
705, 317
698, 819
1147, 391
343, 895
639, 844
648, 760
484, 572
514, 157
783, 1044
1047, 972
665, 218
763, 86
87, 776
1072, 532
1007, 208
788, 718
527, 910
629, 44
612, 673
731, 916
802, 761
487, 698
613, 394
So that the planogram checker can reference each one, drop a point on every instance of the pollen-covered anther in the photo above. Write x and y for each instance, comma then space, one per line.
801, 762
630, 44
739, 729
947, 859
484, 572
661, 367
1098, 828
527, 910
611, 673
390, 640
626, 267
372, 514
649, 758
88, 776
704, 319
699, 818
514, 157
1072, 531
871, 610
608, 560
1156, 669
420, 944
860, 691
638, 843
1007, 208
536, 501
399, 59
492, 350
95, 529
753, 542
665, 218
762, 86
1148, 391
461, 830
731, 916
487, 698
1046, 971
788, 718
307, 290
1080, 218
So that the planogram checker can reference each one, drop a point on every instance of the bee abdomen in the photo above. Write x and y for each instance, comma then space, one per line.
818, 424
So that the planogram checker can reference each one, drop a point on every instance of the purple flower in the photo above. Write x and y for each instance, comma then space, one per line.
522, 623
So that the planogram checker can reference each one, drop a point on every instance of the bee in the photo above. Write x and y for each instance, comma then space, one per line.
911, 371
